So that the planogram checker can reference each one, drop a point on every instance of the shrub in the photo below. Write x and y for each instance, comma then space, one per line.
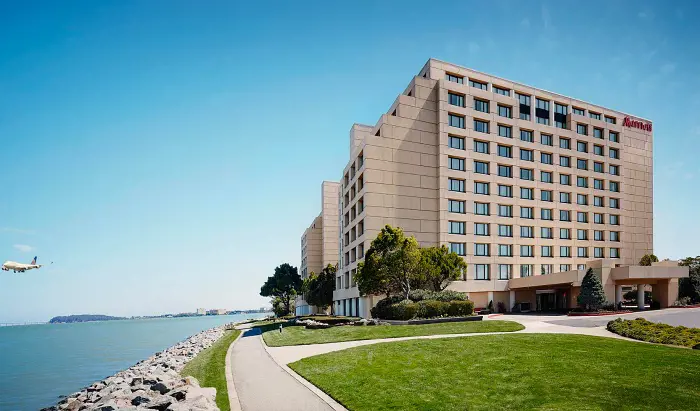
432, 309
644, 330
445, 295
404, 310
460, 308
381, 310
683, 301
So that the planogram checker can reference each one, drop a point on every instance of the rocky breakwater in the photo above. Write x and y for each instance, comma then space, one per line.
151, 384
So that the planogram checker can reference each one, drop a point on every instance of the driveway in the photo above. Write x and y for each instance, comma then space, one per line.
689, 317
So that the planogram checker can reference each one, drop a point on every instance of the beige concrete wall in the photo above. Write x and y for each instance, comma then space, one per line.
329, 214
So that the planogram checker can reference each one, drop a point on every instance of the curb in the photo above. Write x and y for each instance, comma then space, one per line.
583, 314
234, 402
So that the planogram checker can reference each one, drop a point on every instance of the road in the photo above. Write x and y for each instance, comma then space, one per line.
689, 317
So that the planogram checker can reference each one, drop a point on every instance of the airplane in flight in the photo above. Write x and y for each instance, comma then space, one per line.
19, 267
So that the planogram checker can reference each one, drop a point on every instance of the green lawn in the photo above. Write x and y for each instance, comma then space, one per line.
300, 335
209, 368
517, 372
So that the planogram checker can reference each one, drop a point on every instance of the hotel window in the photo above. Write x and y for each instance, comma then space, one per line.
582, 252
598, 184
456, 142
614, 137
546, 158
594, 115
505, 230
505, 131
527, 174
481, 126
526, 270
598, 133
478, 84
505, 111
455, 163
598, 235
598, 218
454, 78
598, 201
542, 111
610, 120
505, 151
581, 199
457, 248
481, 250
547, 269
565, 143
455, 120
615, 236
546, 195
505, 171
546, 251
598, 167
565, 251
614, 153
456, 185
527, 232
546, 176
481, 188
564, 215
546, 232
526, 135
578, 111
505, 210
565, 179
504, 271
505, 250
598, 252
481, 208
546, 139
526, 212
582, 129
560, 112
565, 233
524, 106
582, 147
598, 150
481, 229
481, 146
582, 182
564, 267
615, 203
582, 164
581, 217
482, 271
481, 105
546, 214
527, 155
582, 234
481, 167
565, 198
526, 251
501, 91
456, 227
565, 161
615, 186
614, 170
456, 99
455, 206
614, 253
614, 219
505, 191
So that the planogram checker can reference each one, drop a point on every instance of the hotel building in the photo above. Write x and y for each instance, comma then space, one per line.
529, 186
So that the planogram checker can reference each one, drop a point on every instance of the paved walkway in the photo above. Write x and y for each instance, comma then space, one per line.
262, 384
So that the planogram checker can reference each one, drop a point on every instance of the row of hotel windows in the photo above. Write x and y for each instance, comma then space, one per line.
483, 188
484, 147
505, 271
506, 230
457, 206
524, 101
546, 251
504, 170
506, 210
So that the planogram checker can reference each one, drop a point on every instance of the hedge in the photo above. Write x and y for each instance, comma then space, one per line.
407, 310
644, 330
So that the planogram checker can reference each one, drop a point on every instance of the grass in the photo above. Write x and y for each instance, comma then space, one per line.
645, 330
300, 335
519, 371
209, 368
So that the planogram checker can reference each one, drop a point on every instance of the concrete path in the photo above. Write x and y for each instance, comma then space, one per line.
261, 384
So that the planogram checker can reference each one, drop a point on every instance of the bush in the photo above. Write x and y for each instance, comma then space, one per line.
644, 330
381, 310
432, 309
460, 308
682, 302
404, 310
445, 295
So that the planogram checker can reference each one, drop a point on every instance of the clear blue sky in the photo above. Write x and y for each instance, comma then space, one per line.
167, 155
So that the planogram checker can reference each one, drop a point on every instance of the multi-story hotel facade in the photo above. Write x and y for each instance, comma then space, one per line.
529, 186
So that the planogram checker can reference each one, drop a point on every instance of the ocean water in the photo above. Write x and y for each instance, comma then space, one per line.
38, 363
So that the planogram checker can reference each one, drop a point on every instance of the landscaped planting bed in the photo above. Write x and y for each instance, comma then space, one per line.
644, 330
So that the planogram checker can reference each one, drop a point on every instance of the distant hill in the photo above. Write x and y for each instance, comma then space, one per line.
81, 318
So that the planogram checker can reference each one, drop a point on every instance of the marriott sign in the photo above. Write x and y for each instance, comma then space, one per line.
636, 124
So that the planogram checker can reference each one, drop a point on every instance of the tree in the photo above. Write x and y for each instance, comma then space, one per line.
318, 288
690, 287
647, 259
592, 295
284, 285
440, 267
392, 264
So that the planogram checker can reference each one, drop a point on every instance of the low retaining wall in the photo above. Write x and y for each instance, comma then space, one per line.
434, 320
584, 314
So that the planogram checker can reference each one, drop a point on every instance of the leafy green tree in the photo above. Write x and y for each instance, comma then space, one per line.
647, 259
285, 284
440, 267
690, 287
592, 295
318, 288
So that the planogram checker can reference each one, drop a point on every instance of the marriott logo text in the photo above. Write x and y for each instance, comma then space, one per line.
636, 124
